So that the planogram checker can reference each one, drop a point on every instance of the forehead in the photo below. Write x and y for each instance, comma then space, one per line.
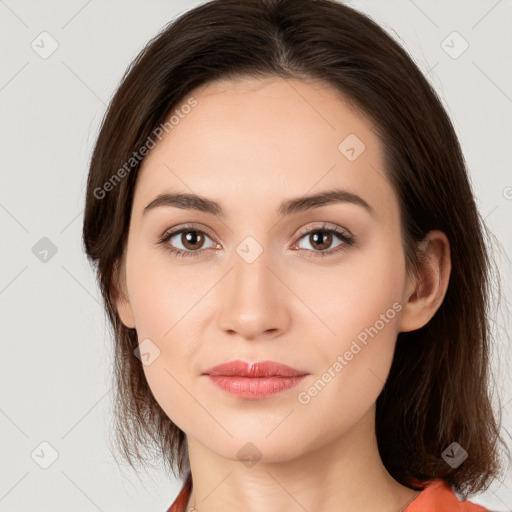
267, 139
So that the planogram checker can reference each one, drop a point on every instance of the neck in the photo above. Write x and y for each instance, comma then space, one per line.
343, 474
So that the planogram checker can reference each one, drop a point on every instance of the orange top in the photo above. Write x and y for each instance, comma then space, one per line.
435, 497
180, 503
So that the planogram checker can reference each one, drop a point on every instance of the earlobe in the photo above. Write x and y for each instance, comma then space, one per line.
426, 291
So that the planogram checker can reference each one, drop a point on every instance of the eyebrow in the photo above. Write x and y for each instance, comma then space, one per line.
187, 201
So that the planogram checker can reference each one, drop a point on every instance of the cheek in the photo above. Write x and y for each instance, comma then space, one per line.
352, 367
163, 294
355, 354
359, 295
167, 300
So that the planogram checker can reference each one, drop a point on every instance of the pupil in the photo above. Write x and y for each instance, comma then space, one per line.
192, 237
318, 236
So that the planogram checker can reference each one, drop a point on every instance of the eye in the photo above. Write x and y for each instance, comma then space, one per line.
321, 238
191, 239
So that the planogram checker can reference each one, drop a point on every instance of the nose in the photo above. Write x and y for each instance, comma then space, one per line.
254, 302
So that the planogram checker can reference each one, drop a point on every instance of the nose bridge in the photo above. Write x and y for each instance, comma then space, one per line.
251, 264
252, 278
253, 298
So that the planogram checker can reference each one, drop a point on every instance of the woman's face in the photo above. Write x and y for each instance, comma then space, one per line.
253, 285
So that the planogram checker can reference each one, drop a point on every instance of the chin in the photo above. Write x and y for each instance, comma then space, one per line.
257, 448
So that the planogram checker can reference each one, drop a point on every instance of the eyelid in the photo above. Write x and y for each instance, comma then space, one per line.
187, 227
328, 227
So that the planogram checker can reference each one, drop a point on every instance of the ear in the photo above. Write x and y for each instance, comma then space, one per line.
425, 291
120, 296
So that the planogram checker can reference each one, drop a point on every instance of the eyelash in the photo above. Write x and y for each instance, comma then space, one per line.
348, 240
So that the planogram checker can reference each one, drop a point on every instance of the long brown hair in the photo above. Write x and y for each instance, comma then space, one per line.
438, 390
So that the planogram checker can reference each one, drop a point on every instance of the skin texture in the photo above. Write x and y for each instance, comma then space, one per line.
249, 145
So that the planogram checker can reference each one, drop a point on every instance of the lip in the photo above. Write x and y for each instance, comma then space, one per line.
261, 369
254, 380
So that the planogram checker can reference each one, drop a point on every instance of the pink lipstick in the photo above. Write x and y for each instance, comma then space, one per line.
254, 380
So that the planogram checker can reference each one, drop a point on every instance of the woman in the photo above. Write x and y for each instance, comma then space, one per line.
294, 266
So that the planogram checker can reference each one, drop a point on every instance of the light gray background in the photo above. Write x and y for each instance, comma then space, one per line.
56, 350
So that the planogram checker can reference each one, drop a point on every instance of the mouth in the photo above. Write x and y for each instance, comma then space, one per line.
254, 380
